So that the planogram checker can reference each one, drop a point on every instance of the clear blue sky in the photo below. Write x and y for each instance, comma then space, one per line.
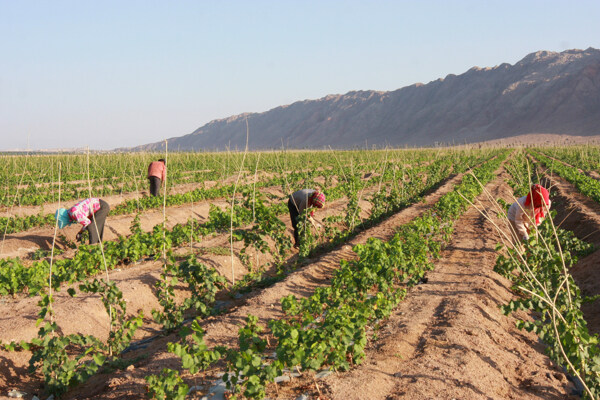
107, 74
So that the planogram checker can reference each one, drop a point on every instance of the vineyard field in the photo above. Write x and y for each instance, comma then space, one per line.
406, 284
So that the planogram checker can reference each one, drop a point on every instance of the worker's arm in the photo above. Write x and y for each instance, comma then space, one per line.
85, 222
521, 224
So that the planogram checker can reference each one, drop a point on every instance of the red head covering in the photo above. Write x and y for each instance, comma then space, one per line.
317, 199
539, 196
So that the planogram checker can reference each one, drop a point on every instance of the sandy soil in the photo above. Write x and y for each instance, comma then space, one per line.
591, 174
448, 339
86, 315
22, 244
114, 200
265, 305
136, 281
581, 215
137, 285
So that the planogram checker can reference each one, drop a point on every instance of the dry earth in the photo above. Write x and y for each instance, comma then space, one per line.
581, 215
447, 340
222, 330
86, 315
22, 244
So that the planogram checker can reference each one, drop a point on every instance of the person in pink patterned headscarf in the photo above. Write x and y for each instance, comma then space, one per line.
299, 201
528, 211
91, 213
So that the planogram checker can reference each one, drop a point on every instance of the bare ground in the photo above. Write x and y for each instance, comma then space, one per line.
448, 339
91, 318
21, 244
581, 215
112, 199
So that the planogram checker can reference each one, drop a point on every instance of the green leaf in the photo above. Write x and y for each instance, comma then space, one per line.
99, 359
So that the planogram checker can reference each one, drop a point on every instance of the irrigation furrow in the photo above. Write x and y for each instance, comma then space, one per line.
577, 212
222, 330
448, 336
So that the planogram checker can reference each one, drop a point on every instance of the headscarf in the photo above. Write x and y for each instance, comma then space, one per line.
63, 218
538, 195
317, 199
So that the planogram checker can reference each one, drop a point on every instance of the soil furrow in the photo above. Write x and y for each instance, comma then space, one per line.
91, 318
222, 330
458, 345
581, 215
21, 244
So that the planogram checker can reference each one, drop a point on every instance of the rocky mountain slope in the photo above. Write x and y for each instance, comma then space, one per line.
545, 92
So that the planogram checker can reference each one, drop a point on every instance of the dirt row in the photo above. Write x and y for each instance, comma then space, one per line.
448, 339
581, 215
222, 330
452, 321
85, 314
137, 283
591, 174
117, 199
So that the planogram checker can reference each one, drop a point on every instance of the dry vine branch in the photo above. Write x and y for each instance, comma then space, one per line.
233, 203
165, 205
530, 276
100, 242
53, 244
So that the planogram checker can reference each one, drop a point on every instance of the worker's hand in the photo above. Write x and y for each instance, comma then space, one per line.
315, 223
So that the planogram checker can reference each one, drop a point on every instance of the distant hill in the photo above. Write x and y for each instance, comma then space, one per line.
545, 92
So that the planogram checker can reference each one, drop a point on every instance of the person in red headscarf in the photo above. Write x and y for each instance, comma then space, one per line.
299, 201
529, 210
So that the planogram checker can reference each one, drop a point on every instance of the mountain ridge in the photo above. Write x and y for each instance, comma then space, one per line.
545, 92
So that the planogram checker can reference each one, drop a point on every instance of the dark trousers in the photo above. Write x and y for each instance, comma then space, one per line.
154, 185
294, 217
98, 220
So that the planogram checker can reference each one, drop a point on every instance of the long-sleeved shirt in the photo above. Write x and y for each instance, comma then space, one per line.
301, 199
82, 211
157, 169
522, 216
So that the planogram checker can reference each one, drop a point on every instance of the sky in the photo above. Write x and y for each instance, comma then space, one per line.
108, 74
